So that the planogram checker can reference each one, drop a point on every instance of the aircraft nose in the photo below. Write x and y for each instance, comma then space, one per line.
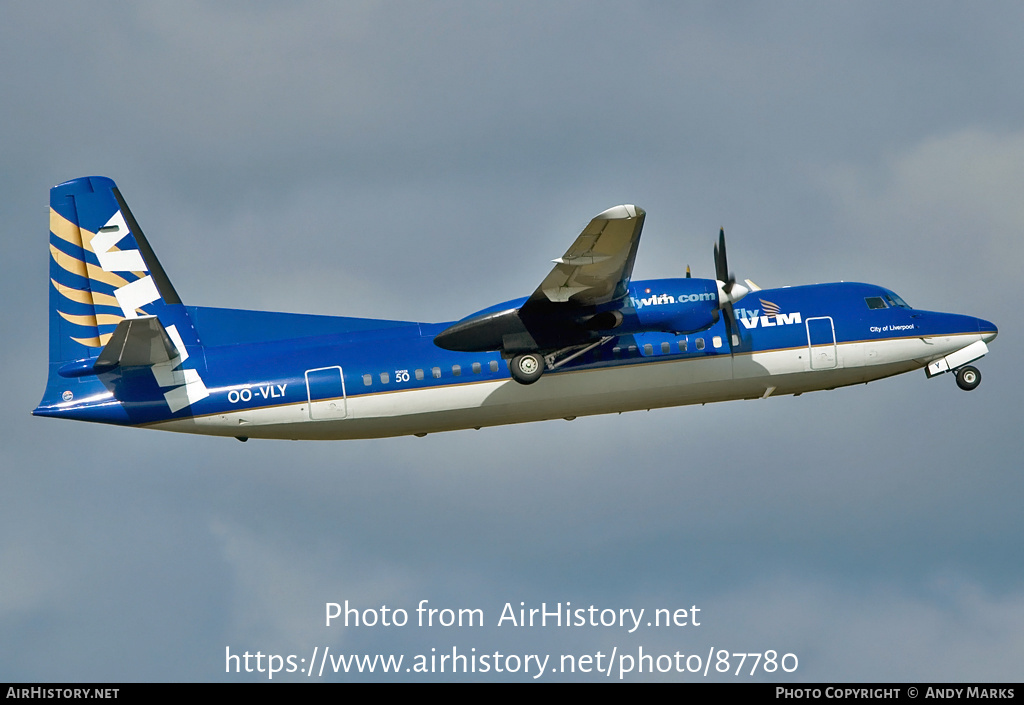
987, 329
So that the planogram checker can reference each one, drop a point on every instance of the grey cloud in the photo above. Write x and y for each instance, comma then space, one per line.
408, 161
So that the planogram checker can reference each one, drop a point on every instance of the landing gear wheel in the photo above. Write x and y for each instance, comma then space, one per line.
527, 369
968, 378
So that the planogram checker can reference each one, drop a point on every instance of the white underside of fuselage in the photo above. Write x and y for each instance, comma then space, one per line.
647, 384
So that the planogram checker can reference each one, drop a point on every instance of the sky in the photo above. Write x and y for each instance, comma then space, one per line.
421, 161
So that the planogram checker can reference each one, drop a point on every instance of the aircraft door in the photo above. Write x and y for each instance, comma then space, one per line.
325, 389
821, 342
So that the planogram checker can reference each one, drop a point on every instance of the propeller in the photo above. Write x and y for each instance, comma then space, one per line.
729, 292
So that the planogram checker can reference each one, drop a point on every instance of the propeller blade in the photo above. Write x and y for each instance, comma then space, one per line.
729, 291
721, 264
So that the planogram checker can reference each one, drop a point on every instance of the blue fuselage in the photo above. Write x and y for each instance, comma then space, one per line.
299, 376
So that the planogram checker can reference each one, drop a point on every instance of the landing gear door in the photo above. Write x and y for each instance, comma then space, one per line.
821, 343
325, 389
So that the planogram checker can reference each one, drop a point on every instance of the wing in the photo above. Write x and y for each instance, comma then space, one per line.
597, 266
595, 270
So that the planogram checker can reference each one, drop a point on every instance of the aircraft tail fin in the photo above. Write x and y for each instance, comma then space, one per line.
102, 270
111, 303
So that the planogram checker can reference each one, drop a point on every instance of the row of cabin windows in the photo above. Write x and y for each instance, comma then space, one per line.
682, 345
666, 347
435, 372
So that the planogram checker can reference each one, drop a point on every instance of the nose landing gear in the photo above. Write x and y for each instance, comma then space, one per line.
968, 378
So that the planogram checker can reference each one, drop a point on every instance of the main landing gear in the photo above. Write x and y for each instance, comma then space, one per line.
968, 378
527, 369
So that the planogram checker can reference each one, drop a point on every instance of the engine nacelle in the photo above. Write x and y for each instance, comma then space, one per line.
675, 305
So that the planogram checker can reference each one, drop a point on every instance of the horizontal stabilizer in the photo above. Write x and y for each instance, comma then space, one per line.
137, 342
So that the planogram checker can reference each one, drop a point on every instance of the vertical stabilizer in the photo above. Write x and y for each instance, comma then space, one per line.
103, 272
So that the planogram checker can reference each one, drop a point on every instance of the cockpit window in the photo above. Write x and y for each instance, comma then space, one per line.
895, 300
875, 302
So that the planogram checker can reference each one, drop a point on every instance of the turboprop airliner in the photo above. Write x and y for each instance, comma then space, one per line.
125, 350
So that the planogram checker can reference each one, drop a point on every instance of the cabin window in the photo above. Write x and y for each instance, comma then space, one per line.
384, 378
436, 371
616, 351
367, 380
665, 349
700, 343
682, 345
648, 349
494, 365
457, 370
632, 350
476, 368
874, 302
717, 341
419, 375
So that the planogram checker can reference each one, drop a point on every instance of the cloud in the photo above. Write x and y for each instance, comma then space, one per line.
946, 211
425, 161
